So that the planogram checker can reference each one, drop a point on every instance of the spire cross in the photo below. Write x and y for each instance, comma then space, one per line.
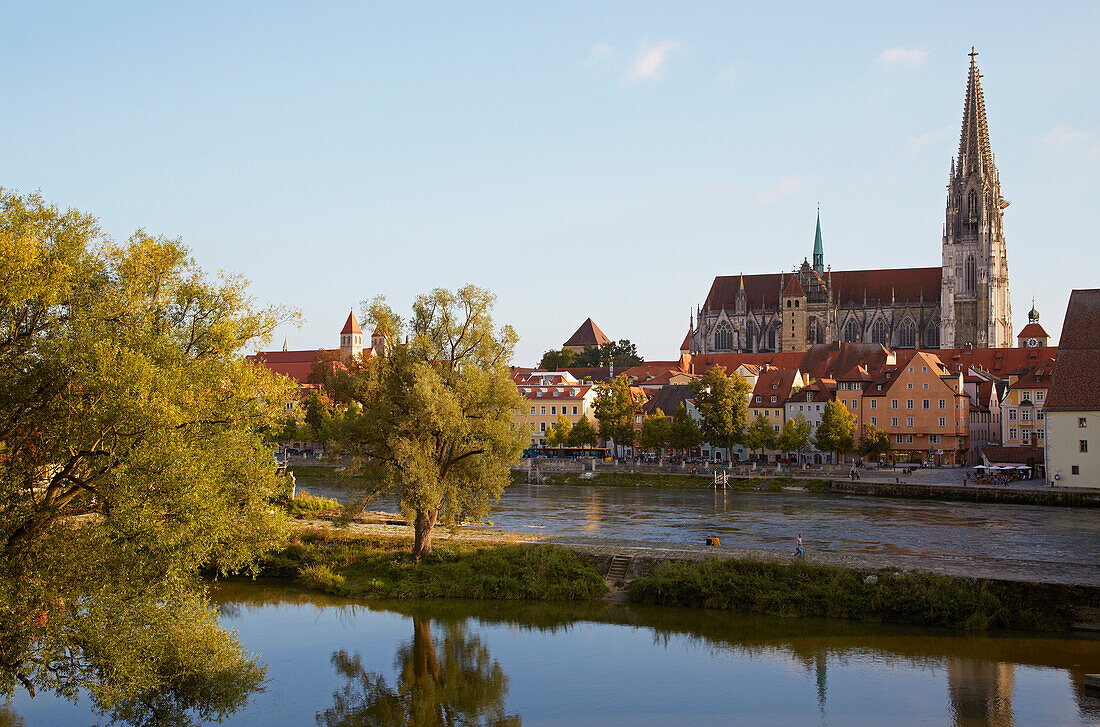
972, 53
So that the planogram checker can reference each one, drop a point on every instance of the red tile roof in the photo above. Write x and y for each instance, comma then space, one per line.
1000, 361
589, 334
794, 288
1075, 385
1035, 378
1081, 328
782, 380
564, 392
1033, 330
1012, 455
298, 365
352, 325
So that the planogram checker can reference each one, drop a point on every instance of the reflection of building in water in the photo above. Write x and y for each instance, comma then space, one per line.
981, 692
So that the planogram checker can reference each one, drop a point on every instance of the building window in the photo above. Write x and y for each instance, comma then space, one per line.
893, 421
553, 410
1038, 396
532, 410
943, 403
879, 333
1040, 435
1075, 470
574, 410
908, 421
1025, 436
723, 337
908, 438
933, 439
907, 334
874, 403
1084, 445
908, 403
898, 439
909, 385
971, 273
1012, 433
1081, 422
759, 399
542, 426
925, 404
924, 386
943, 421
773, 399
1040, 415
1012, 415
874, 421
851, 331
542, 410
933, 333
893, 403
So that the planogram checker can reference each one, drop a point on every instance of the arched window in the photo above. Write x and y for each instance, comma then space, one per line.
751, 343
813, 330
973, 209
907, 335
723, 337
933, 336
971, 275
851, 331
771, 338
879, 333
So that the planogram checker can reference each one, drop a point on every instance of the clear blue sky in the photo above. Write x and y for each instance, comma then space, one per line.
577, 159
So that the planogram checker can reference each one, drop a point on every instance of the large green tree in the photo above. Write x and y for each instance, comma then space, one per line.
873, 442
558, 433
622, 353
684, 433
583, 434
615, 408
723, 403
130, 457
436, 418
835, 433
761, 435
656, 431
795, 436
557, 360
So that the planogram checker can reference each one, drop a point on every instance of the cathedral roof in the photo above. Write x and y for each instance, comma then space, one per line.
794, 288
850, 288
589, 334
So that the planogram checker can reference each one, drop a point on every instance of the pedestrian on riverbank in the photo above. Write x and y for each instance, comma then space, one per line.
798, 546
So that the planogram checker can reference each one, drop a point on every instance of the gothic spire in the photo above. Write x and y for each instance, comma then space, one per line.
974, 151
819, 250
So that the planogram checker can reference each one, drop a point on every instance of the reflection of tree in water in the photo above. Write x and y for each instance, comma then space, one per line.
459, 684
8, 718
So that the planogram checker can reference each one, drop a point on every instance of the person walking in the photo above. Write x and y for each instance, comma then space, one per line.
798, 546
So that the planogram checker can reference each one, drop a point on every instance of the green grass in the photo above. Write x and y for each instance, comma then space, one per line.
383, 568
804, 589
307, 505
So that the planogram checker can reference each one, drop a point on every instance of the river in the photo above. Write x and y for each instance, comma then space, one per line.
335, 663
1007, 540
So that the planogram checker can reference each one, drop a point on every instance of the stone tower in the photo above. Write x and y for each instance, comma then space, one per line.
792, 324
974, 303
351, 337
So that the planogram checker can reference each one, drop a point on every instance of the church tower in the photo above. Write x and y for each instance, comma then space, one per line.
974, 303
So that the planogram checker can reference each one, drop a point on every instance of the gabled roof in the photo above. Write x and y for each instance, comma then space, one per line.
783, 380
668, 399
686, 345
850, 288
1033, 330
999, 361
1012, 455
589, 334
794, 288
1081, 328
1075, 385
352, 325
1035, 378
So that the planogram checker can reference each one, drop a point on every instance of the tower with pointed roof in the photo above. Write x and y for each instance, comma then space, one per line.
974, 301
819, 250
351, 337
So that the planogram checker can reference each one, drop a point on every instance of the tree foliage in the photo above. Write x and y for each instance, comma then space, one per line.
873, 442
615, 408
130, 457
795, 436
761, 435
583, 434
684, 432
656, 431
835, 433
435, 417
622, 353
558, 360
558, 434
722, 402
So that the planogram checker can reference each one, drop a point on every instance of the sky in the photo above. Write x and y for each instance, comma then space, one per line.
577, 159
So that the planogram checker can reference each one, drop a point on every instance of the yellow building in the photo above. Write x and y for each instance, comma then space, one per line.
548, 394
1023, 415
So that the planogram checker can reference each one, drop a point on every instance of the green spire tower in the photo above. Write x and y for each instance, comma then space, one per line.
819, 250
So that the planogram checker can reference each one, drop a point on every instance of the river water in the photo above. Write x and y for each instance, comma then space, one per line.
908, 532
332, 662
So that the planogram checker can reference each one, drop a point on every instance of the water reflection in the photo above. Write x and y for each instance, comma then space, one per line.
463, 686
981, 692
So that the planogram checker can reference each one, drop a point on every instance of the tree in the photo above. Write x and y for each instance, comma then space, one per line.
873, 442
615, 408
623, 354
457, 684
795, 436
437, 424
684, 433
761, 435
722, 402
583, 434
130, 457
656, 431
558, 433
558, 360
834, 434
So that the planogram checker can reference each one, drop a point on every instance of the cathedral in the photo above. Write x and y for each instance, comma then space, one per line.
963, 302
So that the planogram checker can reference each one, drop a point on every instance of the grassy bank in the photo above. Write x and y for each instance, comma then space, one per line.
804, 589
383, 567
685, 481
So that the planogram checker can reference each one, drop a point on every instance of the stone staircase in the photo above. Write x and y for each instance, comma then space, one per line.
616, 572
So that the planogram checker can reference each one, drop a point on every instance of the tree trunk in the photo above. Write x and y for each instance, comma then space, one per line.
422, 527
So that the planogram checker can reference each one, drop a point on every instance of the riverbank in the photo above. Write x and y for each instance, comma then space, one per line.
373, 560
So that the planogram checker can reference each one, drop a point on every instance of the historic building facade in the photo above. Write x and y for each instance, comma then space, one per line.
963, 302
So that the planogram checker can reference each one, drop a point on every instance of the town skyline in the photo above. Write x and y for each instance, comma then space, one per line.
653, 152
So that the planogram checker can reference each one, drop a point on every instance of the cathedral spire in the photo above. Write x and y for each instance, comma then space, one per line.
819, 250
974, 152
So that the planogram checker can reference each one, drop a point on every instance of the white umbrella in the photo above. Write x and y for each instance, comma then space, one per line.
980, 467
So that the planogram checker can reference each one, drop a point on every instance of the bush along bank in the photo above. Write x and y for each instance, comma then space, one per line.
383, 567
811, 590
